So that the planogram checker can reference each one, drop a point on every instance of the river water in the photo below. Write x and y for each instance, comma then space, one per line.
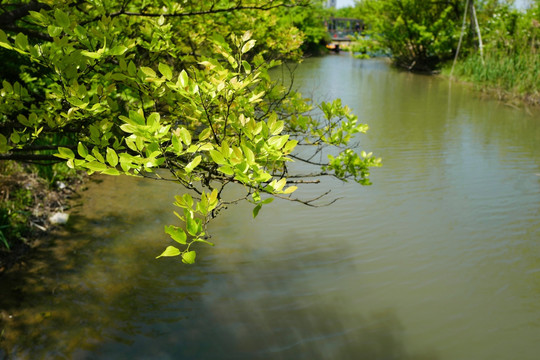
439, 259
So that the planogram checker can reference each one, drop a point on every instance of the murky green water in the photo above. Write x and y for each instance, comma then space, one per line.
439, 259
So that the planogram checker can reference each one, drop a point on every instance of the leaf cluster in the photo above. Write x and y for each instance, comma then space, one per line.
138, 87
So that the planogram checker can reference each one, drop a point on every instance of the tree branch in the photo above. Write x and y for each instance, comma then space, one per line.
9, 17
29, 157
238, 7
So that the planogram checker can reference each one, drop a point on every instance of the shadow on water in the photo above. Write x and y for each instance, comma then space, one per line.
83, 297
73, 294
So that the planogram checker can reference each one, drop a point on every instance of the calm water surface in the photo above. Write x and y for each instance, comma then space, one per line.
439, 259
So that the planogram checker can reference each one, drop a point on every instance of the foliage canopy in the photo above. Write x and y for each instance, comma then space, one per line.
130, 87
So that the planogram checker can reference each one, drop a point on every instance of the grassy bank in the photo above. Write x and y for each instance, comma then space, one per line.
29, 196
507, 76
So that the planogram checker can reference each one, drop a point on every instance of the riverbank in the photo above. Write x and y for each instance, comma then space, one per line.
30, 207
512, 98
515, 82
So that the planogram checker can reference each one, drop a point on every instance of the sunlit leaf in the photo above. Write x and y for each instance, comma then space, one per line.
188, 257
169, 251
177, 234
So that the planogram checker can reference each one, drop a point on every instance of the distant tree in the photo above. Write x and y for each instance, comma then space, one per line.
420, 35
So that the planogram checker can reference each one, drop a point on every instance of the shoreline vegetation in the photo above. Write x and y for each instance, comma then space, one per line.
509, 97
490, 44
31, 206
501, 79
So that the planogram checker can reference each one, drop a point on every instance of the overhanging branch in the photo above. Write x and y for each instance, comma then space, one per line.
9, 17
29, 157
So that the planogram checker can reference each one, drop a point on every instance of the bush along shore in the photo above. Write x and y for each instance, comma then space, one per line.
492, 44
33, 200
507, 62
509, 78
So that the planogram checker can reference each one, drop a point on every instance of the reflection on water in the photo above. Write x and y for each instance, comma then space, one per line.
439, 259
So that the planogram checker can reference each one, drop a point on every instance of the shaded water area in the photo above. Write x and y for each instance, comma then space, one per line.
439, 259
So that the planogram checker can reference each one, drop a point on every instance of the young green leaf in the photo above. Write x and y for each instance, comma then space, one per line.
148, 71
118, 50
112, 157
65, 153
256, 210
248, 46
183, 78
165, 70
193, 164
62, 19
185, 136
188, 257
177, 234
169, 251
217, 157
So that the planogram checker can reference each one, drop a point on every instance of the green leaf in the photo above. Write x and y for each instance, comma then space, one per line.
170, 251
153, 119
188, 257
227, 170
78, 102
247, 35
65, 153
256, 196
291, 144
217, 157
23, 120
185, 136
112, 158
3, 144
278, 141
62, 19
177, 146
213, 200
165, 70
149, 71
248, 46
277, 127
290, 189
21, 41
183, 78
97, 154
7, 86
111, 171
177, 234
38, 18
96, 166
188, 201
279, 184
191, 226
132, 69
256, 210
4, 39
136, 117
250, 156
15, 137
193, 164
161, 20
118, 50
118, 77
90, 54
247, 67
